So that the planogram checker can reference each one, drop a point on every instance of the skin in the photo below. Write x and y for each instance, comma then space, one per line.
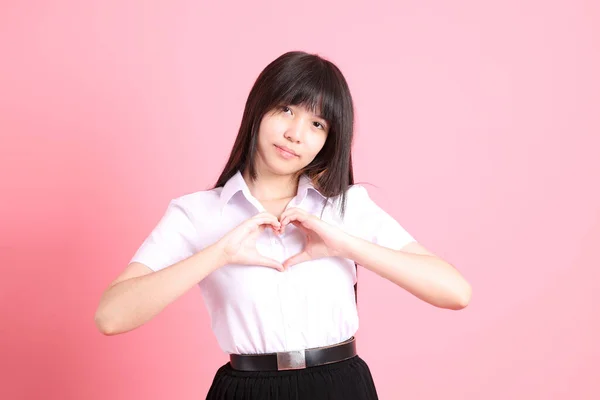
138, 294
414, 268
299, 130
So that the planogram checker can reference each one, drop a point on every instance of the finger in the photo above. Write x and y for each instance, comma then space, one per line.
269, 262
266, 220
257, 229
264, 215
285, 213
288, 214
297, 259
292, 211
303, 219
299, 225
268, 217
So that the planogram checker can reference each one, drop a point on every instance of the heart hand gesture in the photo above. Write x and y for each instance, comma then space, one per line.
322, 239
239, 245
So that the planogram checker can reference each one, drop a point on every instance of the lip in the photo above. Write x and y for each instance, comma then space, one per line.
287, 150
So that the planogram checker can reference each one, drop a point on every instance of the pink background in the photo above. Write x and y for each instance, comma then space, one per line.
479, 124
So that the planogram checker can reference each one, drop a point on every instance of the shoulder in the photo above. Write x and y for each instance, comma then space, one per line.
357, 203
356, 196
358, 217
200, 196
201, 202
357, 192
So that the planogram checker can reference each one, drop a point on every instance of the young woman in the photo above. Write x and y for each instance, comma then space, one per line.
275, 244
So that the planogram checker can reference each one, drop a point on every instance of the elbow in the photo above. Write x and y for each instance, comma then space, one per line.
105, 324
462, 297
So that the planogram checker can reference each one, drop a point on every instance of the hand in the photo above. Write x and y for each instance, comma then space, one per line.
322, 239
239, 245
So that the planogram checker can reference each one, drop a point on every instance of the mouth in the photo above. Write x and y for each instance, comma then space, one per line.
286, 151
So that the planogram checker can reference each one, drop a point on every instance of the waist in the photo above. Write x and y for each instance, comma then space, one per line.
299, 359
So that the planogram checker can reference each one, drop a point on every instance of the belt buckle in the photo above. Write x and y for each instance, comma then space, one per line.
291, 360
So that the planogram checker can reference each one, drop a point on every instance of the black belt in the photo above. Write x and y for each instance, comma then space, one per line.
294, 359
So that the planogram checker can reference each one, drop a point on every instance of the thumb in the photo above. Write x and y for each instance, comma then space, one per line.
297, 259
269, 262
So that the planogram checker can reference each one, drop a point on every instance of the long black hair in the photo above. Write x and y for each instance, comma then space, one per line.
300, 78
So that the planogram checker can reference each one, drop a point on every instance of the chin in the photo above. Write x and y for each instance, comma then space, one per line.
284, 169
278, 167
273, 163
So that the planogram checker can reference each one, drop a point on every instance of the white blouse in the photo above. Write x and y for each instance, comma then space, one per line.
256, 309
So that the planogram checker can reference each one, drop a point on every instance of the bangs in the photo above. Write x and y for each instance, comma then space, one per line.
314, 88
297, 78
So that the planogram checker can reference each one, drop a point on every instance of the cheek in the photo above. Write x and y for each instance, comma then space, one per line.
269, 130
316, 143
264, 135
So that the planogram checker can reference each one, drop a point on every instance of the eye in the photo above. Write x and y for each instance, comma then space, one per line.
285, 109
319, 125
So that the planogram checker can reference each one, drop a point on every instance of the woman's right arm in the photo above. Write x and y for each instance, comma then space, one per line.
139, 293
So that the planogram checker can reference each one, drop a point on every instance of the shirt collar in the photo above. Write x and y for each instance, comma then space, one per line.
237, 184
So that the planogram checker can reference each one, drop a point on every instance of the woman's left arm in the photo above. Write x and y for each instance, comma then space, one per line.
413, 268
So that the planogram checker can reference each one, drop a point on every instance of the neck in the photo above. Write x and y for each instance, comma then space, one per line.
269, 186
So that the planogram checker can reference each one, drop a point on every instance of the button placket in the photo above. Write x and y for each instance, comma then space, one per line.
287, 293
276, 247
287, 309
294, 334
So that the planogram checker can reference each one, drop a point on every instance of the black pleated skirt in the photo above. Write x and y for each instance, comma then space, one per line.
348, 380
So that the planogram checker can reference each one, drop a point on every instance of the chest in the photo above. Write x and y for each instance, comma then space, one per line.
324, 280
276, 207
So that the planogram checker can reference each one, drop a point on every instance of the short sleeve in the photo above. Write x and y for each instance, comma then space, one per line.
171, 240
377, 225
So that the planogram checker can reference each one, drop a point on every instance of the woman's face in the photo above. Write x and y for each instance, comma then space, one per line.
289, 138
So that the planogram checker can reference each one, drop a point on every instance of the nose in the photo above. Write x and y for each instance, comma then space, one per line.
295, 130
